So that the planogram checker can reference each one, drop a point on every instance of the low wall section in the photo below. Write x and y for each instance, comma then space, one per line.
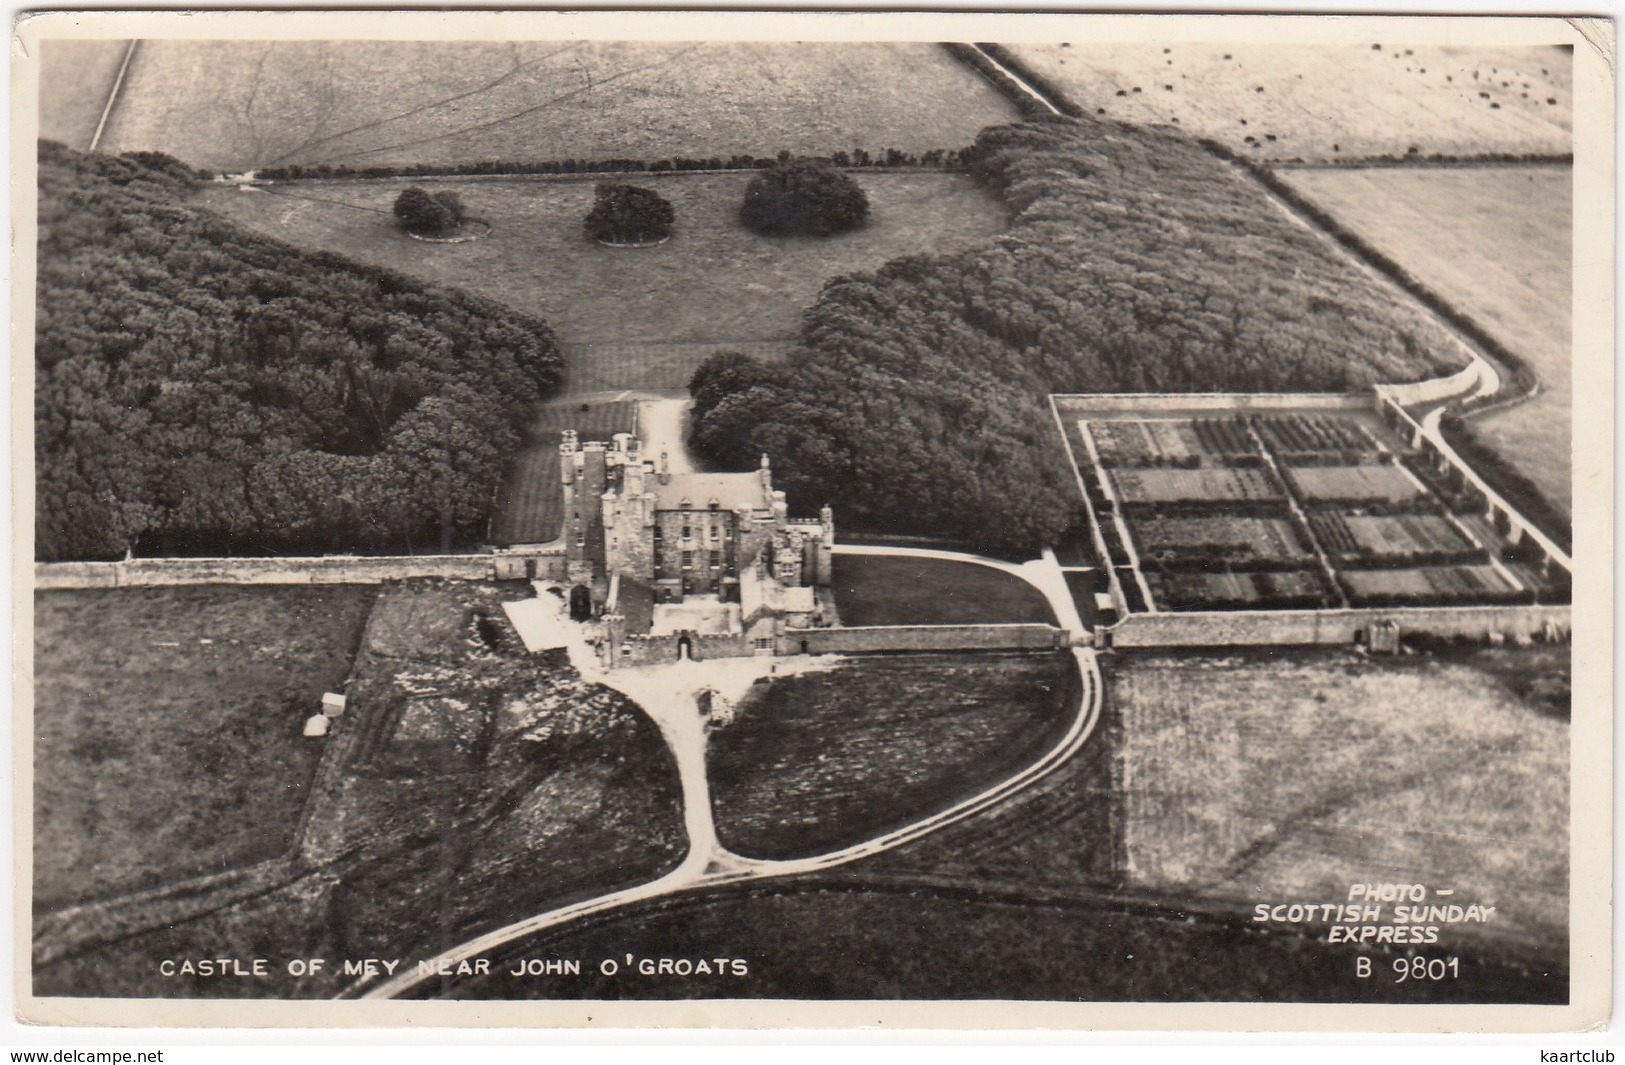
862, 638
1086, 404
1302, 627
331, 569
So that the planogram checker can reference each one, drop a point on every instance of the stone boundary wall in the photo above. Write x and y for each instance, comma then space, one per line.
333, 569
1021, 636
1222, 402
1243, 628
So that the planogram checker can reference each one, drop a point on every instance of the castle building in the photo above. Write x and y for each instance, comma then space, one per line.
698, 565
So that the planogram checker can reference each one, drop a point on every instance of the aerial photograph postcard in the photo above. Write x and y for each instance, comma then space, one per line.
813, 520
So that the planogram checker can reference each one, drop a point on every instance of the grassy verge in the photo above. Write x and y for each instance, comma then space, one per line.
823, 760
168, 728
895, 590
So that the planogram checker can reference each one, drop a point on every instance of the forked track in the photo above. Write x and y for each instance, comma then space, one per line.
710, 865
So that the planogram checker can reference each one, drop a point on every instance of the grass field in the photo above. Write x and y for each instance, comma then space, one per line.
848, 937
1259, 778
626, 318
530, 509
893, 590
168, 728
477, 784
1326, 103
823, 760
70, 104
1497, 243
237, 105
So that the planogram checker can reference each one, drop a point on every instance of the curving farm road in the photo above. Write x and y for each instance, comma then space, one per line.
668, 694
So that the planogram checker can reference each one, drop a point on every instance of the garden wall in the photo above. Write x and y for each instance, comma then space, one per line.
1225, 403
1304, 627
870, 638
331, 569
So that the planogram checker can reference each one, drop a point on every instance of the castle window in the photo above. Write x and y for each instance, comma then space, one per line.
716, 558
688, 531
688, 560
764, 643
716, 533
657, 532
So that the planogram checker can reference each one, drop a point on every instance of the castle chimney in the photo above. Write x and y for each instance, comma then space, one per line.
766, 474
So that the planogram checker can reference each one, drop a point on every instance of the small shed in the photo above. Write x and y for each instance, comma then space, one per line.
332, 704
316, 727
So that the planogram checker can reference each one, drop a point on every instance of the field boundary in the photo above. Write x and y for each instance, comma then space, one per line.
546, 562
1332, 627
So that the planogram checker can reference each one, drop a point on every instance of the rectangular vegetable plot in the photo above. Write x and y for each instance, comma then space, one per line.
1194, 486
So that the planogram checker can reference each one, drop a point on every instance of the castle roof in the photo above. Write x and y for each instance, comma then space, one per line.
730, 490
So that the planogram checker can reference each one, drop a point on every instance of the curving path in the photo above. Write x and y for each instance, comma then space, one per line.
668, 695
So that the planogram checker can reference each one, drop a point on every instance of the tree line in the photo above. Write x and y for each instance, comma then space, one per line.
893, 158
917, 398
203, 389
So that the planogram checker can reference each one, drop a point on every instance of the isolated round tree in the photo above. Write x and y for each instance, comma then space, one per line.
803, 196
627, 214
428, 215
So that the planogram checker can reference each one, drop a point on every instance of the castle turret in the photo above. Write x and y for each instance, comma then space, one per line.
766, 474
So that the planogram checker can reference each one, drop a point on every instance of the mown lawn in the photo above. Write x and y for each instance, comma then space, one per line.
168, 728
1497, 243
630, 318
897, 590
243, 104
1278, 100
823, 760
530, 508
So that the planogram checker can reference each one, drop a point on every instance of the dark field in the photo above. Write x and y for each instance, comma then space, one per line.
895, 590
630, 318
168, 728
862, 937
824, 760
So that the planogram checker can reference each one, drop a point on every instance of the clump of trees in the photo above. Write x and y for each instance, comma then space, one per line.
803, 197
1136, 261
202, 389
629, 214
428, 214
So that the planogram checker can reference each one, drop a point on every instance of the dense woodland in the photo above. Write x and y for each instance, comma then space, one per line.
203, 389
1135, 261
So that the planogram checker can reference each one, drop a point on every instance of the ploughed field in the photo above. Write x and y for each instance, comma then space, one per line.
467, 785
168, 728
240, 105
1325, 103
819, 761
1497, 244
1258, 511
629, 318
1249, 778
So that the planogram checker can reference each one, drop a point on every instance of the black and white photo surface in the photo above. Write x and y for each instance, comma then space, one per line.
538, 517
